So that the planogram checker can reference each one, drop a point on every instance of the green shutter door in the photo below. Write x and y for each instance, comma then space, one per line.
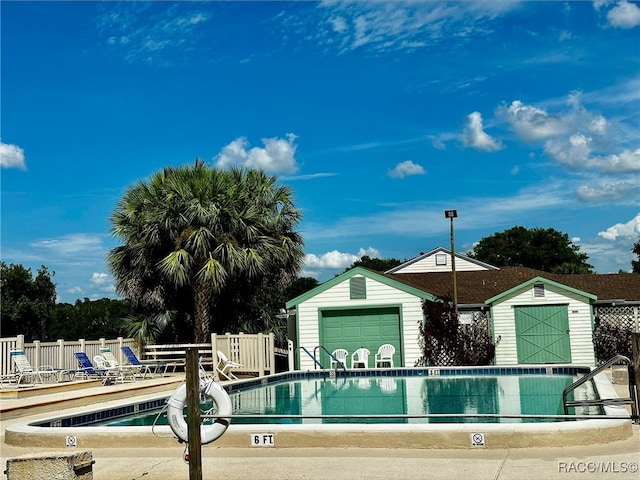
355, 328
542, 334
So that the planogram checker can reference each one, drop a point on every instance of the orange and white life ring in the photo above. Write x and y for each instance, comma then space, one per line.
208, 432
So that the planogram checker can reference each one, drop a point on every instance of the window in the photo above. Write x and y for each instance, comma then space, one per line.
358, 288
538, 290
441, 258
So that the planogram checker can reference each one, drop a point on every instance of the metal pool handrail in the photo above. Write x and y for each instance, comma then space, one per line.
631, 399
312, 357
317, 362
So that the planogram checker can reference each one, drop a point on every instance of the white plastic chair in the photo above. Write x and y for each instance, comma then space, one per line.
24, 370
225, 366
112, 374
341, 354
385, 355
360, 358
112, 361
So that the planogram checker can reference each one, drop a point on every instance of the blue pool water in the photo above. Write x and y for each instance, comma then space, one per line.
392, 396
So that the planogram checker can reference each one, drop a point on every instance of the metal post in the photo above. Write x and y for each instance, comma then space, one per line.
634, 374
193, 413
451, 214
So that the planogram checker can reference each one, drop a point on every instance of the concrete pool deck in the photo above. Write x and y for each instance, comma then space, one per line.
615, 459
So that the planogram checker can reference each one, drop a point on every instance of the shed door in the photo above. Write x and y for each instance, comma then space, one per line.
542, 334
355, 328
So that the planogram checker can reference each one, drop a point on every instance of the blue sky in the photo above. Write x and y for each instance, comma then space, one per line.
379, 115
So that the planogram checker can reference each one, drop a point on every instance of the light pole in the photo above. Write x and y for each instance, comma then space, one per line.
451, 214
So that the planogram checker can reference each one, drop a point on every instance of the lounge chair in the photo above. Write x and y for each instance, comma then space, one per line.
385, 355
224, 366
157, 367
86, 367
24, 369
360, 358
88, 370
113, 373
340, 360
112, 361
10, 379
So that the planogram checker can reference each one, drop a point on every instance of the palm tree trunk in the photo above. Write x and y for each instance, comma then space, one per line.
203, 311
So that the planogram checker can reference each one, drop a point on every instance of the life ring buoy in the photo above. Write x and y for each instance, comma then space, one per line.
208, 432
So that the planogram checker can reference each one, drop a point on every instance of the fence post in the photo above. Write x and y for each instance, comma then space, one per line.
272, 353
261, 356
120, 354
214, 356
20, 342
83, 345
61, 363
290, 357
36, 354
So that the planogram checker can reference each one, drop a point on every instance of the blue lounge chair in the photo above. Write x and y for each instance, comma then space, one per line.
159, 367
86, 367
112, 362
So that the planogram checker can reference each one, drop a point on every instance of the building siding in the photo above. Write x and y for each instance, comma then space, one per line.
338, 297
580, 323
429, 264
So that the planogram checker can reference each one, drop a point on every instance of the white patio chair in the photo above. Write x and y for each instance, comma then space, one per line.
25, 371
360, 358
112, 361
341, 355
385, 355
113, 374
224, 367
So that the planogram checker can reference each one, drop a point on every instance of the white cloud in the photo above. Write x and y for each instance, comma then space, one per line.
71, 245
277, 156
391, 26
12, 156
474, 135
631, 229
608, 192
624, 15
531, 123
333, 259
575, 152
405, 169
336, 259
141, 34
100, 279
572, 152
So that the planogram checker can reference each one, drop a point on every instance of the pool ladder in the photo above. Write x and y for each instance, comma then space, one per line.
315, 358
632, 399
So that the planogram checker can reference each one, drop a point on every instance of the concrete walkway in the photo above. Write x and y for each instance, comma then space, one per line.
617, 460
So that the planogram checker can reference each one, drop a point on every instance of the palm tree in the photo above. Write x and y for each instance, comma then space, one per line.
192, 233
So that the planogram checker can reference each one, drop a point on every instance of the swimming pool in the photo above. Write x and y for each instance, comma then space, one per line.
396, 399
438, 407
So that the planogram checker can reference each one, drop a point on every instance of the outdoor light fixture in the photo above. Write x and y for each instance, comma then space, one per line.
450, 213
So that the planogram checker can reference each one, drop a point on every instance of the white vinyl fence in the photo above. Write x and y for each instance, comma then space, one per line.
256, 352
58, 354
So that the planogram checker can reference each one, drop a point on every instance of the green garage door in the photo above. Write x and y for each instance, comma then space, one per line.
355, 328
542, 334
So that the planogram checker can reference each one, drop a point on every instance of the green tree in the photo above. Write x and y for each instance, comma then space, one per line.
375, 264
90, 319
27, 302
635, 264
542, 249
198, 240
